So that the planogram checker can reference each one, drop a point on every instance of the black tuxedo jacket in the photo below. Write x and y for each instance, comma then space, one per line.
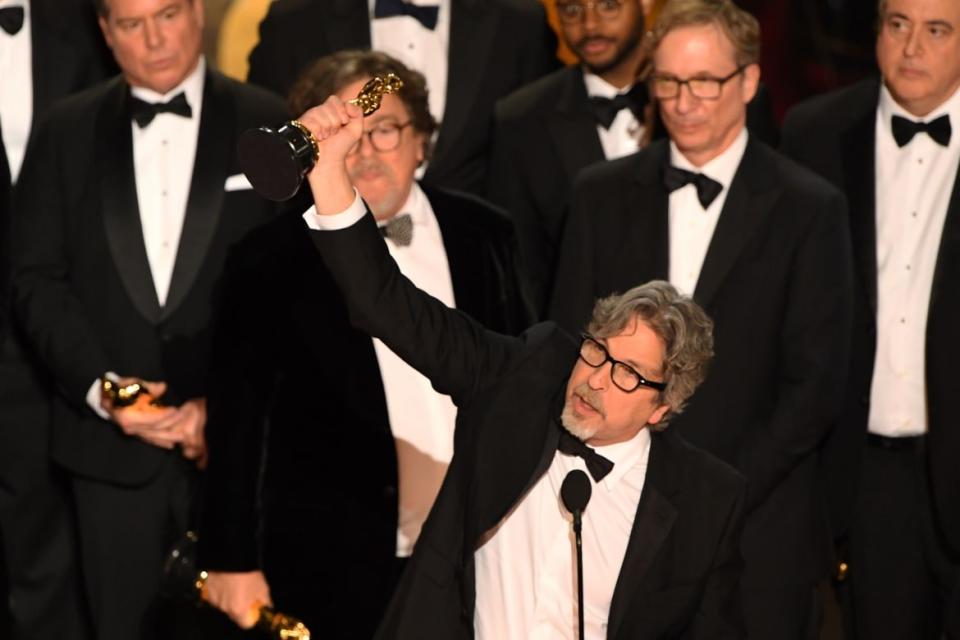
495, 47
679, 576
82, 284
308, 395
834, 134
775, 281
544, 135
68, 55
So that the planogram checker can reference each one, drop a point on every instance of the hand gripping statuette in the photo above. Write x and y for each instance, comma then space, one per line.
276, 160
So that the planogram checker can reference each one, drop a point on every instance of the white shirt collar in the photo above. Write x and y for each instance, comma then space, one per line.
597, 86
192, 86
723, 167
414, 206
16, 3
625, 456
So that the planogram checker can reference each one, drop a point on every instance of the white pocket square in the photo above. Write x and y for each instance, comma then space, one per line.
237, 182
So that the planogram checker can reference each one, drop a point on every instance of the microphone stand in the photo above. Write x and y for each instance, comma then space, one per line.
577, 527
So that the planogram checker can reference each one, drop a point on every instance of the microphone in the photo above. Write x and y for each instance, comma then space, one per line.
575, 493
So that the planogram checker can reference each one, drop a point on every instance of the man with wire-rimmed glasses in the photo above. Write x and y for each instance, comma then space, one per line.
763, 245
324, 396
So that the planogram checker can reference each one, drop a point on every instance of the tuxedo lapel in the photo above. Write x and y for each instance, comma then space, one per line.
345, 24
473, 26
572, 127
646, 240
752, 196
653, 522
859, 161
465, 257
118, 195
215, 143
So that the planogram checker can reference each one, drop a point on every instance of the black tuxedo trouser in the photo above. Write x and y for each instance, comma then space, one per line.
125, 535
37, 527
904, 585
784, 613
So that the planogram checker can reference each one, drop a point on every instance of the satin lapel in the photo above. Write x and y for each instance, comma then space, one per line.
215, 144
473, 26
944, 275
346, 26
118, 194
572, 127
646, 240
656, 514
465, 257
752, 196
858, 147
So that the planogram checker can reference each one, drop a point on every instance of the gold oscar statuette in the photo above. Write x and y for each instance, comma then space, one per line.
275, 160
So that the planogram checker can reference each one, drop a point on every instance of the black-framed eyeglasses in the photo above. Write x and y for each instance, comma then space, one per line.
623, 375
571, 11
385, 136
665, 87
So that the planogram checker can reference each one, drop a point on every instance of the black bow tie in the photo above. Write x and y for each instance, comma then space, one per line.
904, 129
707, 188
605, 110
597, 465
425, 15
143, 112
399, 230
11, 19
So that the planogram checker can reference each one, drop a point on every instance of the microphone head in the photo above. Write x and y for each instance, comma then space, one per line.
575, 491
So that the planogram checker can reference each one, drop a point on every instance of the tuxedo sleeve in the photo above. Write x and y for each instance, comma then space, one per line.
53, 319
273, 62
814, 349
452, 350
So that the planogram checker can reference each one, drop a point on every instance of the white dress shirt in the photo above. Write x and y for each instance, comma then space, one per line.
691, 226
419, 48
526, 565
163, 156
625, 132
16, 89
422, 421
913, 188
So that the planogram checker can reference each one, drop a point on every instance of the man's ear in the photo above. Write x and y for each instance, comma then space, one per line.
751, 82
658, 414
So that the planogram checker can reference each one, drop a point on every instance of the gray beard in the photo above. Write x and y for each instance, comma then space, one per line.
572, 423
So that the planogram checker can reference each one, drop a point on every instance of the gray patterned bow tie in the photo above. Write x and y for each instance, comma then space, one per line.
399, 230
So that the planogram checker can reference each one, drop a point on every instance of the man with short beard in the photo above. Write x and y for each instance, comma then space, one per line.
323, 396
549, 130
495, 558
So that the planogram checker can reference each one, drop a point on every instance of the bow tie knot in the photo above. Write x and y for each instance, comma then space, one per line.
707, 188
597, 465
425, 15
144, 112
605, 110
399, 230
11, 19
904, 129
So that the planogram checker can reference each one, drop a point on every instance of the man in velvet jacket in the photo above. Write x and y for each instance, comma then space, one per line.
329, 549
762, 244
480, 50
126, 205
662, 528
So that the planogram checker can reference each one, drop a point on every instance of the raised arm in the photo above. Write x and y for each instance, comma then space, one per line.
456, 353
